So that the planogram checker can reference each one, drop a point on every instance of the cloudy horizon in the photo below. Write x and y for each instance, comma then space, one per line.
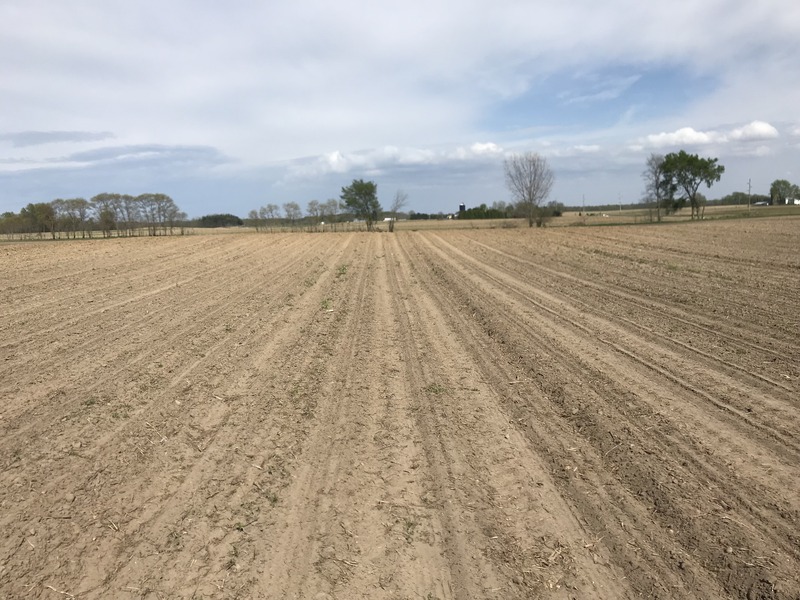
227, 108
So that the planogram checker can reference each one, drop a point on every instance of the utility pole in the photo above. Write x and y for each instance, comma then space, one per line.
748, 196
583, 209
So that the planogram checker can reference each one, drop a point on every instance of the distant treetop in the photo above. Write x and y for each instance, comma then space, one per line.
223, 220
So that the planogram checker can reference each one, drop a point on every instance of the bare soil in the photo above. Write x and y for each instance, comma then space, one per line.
566, 413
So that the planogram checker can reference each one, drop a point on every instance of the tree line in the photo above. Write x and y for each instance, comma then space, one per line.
671, 182
106, 214
528, 176
290, 214
511, 210
358, 201
674, 180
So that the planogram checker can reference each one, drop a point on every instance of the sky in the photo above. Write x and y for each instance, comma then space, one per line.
227, 107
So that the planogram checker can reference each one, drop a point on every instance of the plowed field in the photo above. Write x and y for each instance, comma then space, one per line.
565, 413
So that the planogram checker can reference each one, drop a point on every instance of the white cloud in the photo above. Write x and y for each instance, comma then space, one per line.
688, 136
489, 148
336, 162
563, 149
375, 87
685, 136
378, 160
757, 130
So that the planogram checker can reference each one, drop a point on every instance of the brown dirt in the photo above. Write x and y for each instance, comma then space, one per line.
571, 413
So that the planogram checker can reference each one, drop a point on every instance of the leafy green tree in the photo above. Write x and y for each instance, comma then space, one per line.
11, 224
529, 179
482, 212
39, 217
687, 172
742, 198
220, 220
781, 190
361, 197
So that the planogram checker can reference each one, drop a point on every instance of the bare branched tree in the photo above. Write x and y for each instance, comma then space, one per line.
272, 213
314, 210
529, 179
658, 189
293, 212
399, 201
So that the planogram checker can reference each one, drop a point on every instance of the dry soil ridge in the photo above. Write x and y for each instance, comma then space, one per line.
427, 414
